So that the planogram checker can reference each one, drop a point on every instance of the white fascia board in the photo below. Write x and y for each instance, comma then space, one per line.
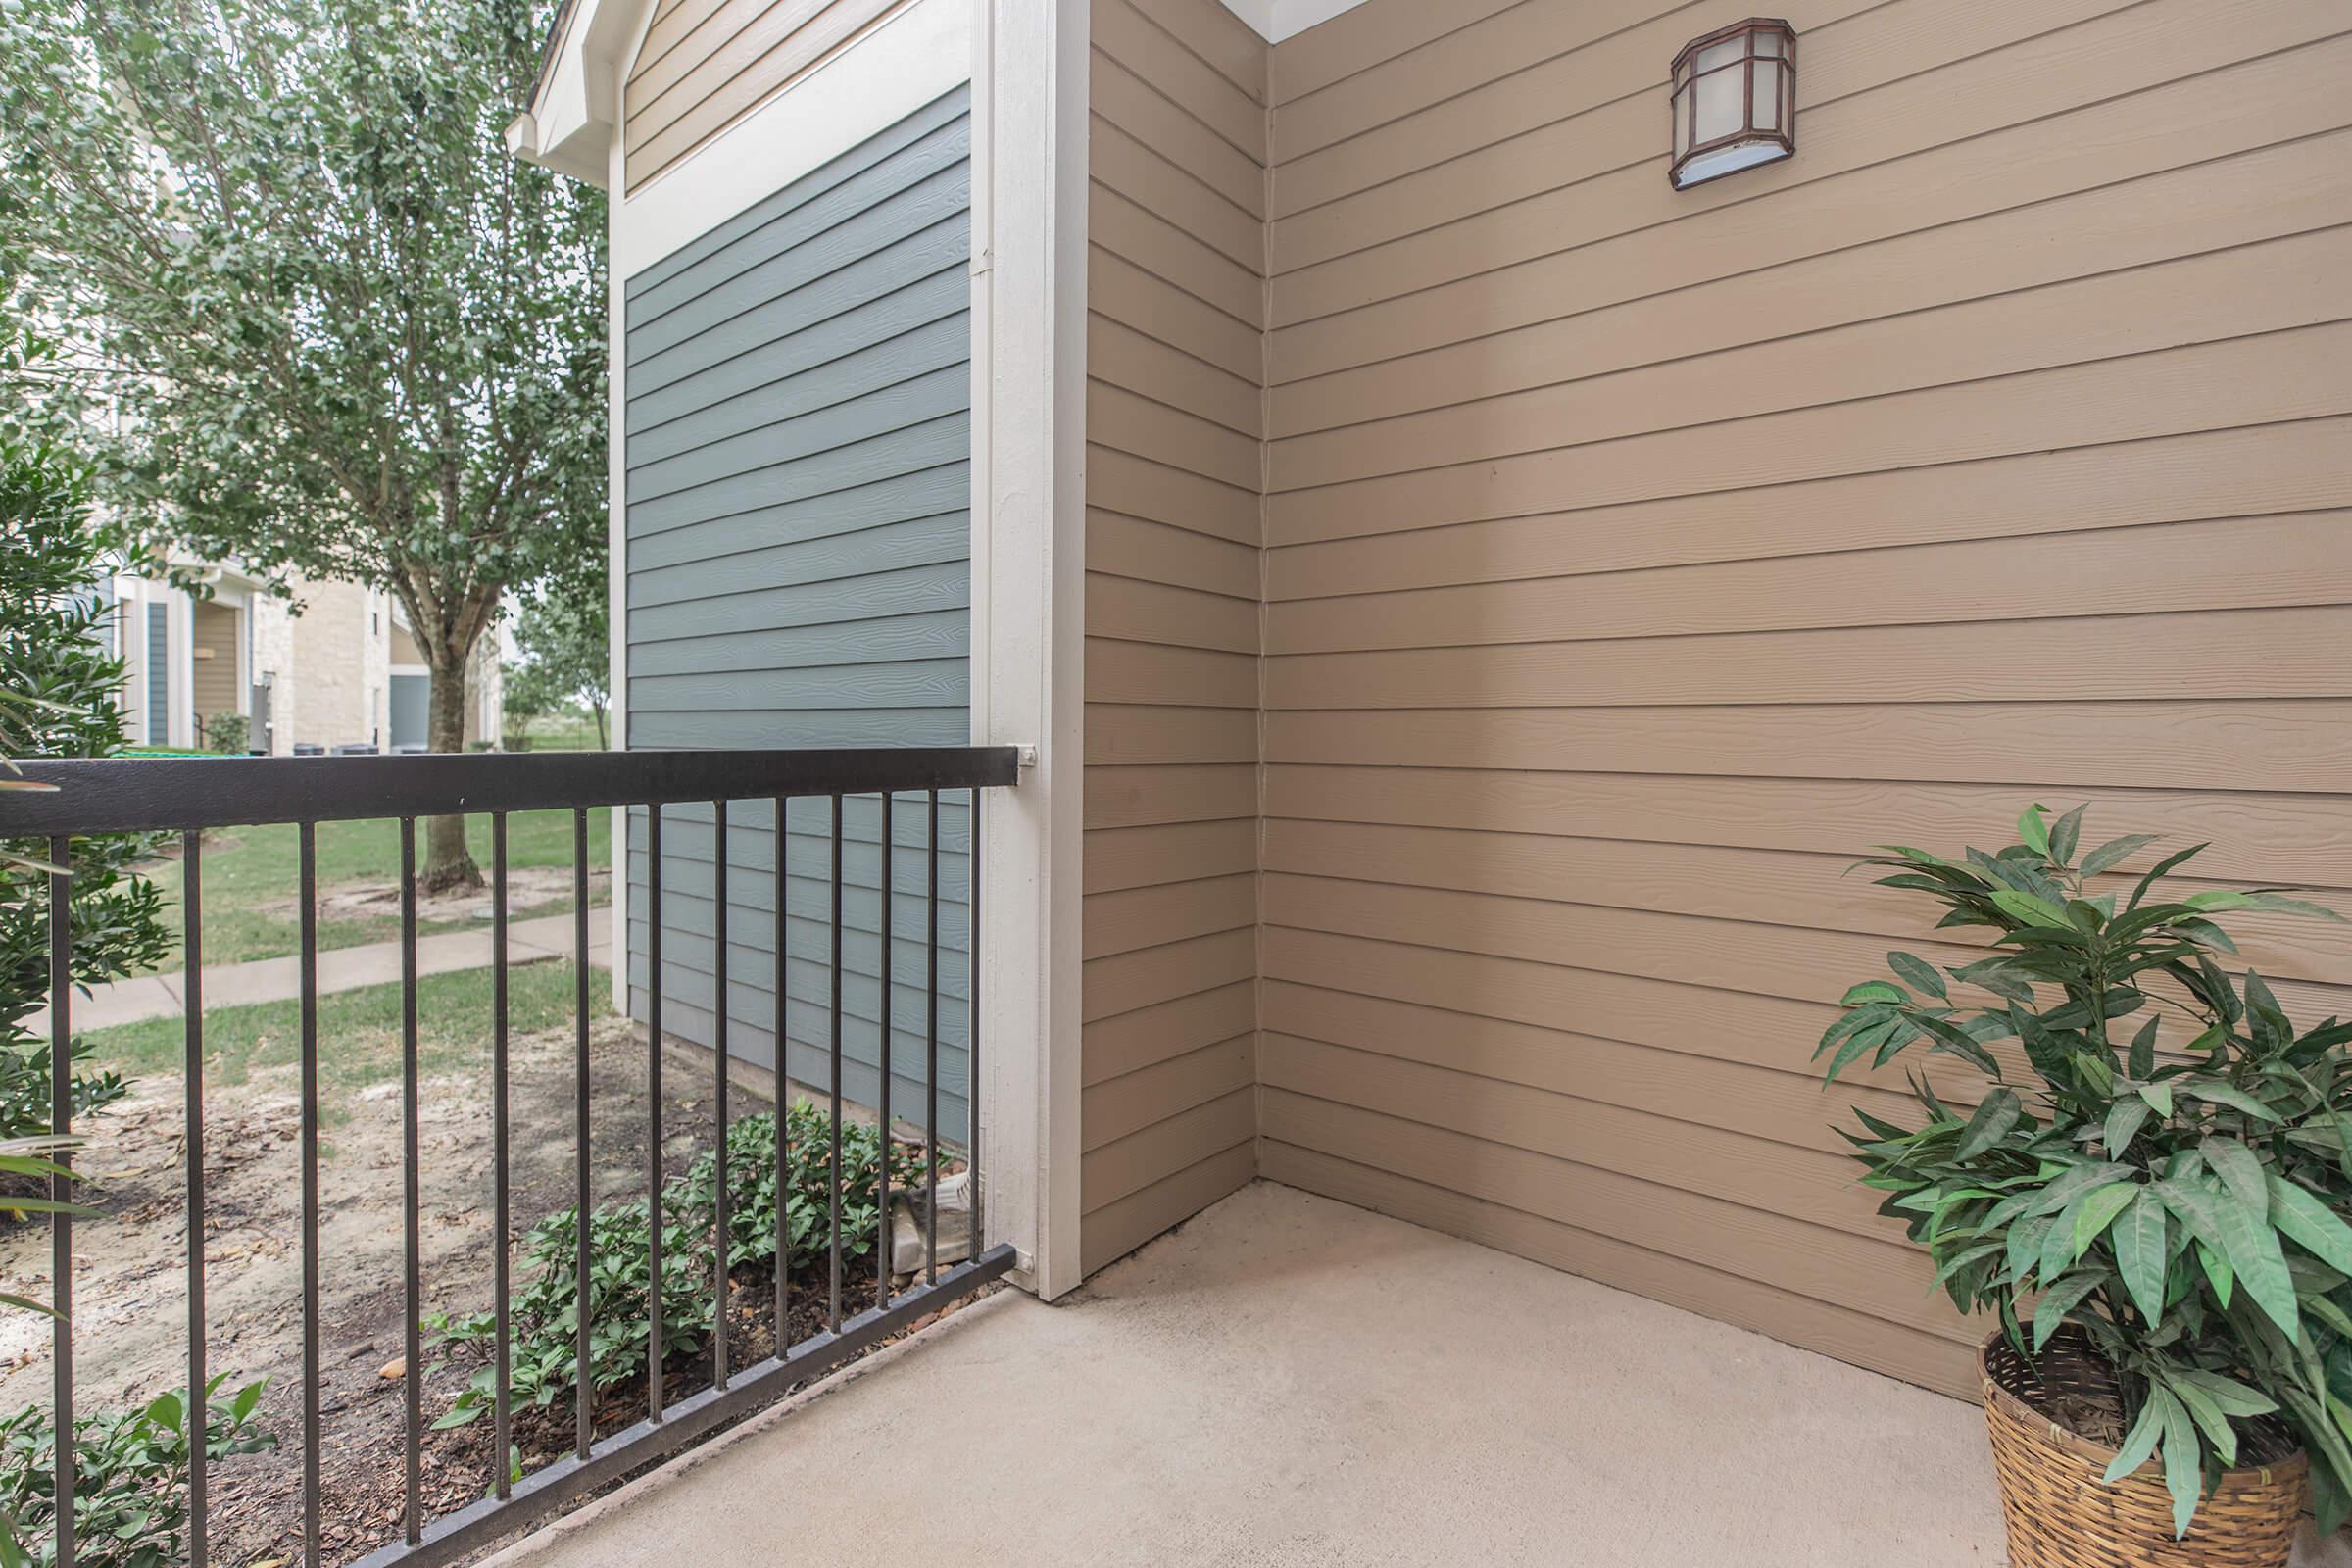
574, 114
1277, 19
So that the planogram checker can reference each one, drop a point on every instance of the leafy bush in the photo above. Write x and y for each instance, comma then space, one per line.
62, 698
28, 1158
752, 1187
25, 1084
130, 1487
543, 1313
2181, 1199
227, 733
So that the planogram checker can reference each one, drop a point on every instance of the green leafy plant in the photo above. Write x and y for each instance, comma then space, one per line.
227, 733
130, 1477
62, 697
543, 1313
2171, 1175
28, 1158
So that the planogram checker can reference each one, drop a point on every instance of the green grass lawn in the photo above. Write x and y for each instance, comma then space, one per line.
251, 875
562, 732
360, 1030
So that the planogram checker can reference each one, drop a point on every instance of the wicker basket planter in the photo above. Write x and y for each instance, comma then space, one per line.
2061, 1515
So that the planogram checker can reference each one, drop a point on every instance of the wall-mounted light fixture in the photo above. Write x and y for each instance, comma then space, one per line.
1735, 100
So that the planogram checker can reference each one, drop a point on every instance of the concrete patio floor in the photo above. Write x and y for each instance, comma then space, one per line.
1288, 1380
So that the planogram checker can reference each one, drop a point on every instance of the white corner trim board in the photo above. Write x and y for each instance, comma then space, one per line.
1029, 113
910, 59
1277, 19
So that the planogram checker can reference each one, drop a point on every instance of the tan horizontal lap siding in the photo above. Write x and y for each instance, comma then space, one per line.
1635, 559
705, 64
1175, 476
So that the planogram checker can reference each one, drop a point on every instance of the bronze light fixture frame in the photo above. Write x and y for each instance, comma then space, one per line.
1766, 40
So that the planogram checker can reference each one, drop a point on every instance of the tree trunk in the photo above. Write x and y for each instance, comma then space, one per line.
448, 863
601, 744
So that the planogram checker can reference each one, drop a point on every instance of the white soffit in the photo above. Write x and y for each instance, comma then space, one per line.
1277, 19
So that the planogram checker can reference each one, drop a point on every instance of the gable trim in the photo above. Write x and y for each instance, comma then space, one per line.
1277, 19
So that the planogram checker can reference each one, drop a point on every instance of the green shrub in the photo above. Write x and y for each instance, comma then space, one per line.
131, 1486
59, 696
227, 733
29, 1159
2180, 1199
752, 1187
543, 1320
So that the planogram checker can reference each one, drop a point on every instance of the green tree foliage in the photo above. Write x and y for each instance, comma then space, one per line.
564, 637
342, 331
2172, 1178
59, 697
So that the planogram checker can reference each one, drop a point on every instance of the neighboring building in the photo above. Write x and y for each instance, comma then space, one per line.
1470, 598
343, 672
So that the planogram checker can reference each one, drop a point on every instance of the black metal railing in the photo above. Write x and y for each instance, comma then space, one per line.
188, 796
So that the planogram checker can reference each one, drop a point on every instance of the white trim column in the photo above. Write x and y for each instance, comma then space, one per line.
179, 641
614, 87
1029, 186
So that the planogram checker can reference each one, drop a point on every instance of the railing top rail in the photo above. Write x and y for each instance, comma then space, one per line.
132, 793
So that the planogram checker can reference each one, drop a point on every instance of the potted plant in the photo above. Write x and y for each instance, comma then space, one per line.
2150, 1196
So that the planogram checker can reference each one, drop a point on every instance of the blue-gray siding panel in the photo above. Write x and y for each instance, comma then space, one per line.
796, 442
758, 232
923, 514
887, 446
159, 676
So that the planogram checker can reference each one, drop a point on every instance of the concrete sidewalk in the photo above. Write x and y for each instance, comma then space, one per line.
236, 985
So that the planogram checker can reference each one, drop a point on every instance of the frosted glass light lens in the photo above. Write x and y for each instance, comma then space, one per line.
1719, 54
1719, 103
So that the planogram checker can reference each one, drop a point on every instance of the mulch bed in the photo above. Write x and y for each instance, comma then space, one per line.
259, 1521
131, 1275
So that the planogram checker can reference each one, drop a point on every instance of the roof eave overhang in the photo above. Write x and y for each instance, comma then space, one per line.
568, 125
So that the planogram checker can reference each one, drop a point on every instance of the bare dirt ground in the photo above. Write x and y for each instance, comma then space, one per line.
528, 888
130, 1341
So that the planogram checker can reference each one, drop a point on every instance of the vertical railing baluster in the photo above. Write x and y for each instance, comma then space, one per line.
783, 1064
719, 1027
977, 1227
882, 1257
931, 1054
584, 1385
653, 1111
500, 1176
199, 1410
309, 842
833, 1184
61, 1223
411, 1204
